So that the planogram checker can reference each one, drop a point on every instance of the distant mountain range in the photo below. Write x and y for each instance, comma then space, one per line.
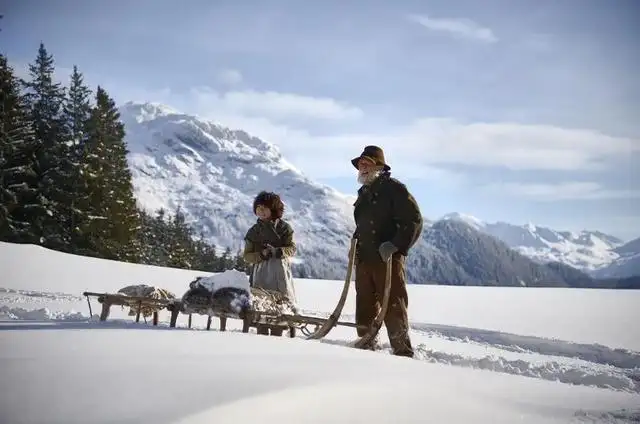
599, 254
213, 173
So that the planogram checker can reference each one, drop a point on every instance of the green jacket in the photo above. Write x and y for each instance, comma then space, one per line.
385, 211
278, 234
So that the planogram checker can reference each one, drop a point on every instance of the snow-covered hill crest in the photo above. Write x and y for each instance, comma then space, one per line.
178, 160
586, 250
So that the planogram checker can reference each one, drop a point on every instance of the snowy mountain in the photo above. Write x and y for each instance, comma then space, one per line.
457, 253
629, 248
586, 250
213, 173
627, 264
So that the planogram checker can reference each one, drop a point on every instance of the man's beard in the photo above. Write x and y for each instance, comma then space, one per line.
368, 178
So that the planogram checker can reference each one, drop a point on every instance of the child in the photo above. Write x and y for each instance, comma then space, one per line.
268, 246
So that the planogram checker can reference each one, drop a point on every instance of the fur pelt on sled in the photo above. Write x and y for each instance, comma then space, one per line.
147, 291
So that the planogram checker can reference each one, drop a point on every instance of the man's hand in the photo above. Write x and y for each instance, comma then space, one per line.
387, 249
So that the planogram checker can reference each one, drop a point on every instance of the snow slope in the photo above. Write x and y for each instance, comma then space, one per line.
586, 250
483, 355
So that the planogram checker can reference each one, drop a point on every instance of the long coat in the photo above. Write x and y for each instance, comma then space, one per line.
385, 211
274, 272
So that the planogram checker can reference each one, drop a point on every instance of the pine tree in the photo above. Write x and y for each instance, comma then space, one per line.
76, 114
180, 255
163, 237
113, 220
226, 260
20, 203
148, 239
240, 263
77, 111
207, 259
52, 165
166, 241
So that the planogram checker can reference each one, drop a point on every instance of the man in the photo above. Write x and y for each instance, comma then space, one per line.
388, 223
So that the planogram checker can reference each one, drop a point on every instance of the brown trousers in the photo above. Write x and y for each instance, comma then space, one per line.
370, 281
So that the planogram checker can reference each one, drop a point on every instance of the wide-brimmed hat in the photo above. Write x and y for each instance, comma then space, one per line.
374, 154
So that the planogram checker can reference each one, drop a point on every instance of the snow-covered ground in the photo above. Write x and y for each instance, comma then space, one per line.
483, 355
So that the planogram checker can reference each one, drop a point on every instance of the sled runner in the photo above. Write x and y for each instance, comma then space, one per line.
331, 322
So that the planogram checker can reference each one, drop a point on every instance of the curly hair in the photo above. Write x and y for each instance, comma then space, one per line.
270, 201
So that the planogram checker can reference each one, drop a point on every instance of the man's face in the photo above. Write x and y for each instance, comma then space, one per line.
365, 166
367, 171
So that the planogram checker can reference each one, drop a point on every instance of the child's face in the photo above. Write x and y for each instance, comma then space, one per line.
263, 213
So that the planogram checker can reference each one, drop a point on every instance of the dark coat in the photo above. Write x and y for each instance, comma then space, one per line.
385, 211
278, 234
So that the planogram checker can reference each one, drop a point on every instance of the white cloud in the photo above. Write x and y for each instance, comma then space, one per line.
431, 143
513, 146
422, 149
275, 105
270, 104
425, 149
460, 27
572, 190
229, 77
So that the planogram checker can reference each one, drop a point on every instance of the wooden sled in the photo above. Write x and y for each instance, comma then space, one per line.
267, 308
140, 305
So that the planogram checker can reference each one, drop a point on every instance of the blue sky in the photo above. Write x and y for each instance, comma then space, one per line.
521, 111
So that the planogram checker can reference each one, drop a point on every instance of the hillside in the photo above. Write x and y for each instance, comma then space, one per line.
629, 248
626, 265
212, 173
455, 252
586, 250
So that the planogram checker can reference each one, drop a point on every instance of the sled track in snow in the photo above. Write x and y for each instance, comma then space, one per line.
14, 296
594, 375
578, 374
548, 359
596, 353
614, 417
